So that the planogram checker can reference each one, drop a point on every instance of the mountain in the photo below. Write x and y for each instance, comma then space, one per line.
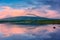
26, 18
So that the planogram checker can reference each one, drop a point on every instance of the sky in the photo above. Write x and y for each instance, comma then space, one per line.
42, 8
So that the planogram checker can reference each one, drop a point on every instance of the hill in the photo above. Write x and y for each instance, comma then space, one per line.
30, 20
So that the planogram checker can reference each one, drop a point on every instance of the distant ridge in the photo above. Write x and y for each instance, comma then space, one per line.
30, 20
26, 18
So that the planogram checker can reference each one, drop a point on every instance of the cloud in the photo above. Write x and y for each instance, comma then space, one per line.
43, 11
18, 4
10, 12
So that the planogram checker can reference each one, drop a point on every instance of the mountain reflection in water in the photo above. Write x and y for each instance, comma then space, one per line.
24, 32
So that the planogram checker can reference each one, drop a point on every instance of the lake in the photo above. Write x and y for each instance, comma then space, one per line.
29, 32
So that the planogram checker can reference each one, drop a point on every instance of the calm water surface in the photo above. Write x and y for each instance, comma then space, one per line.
28, 32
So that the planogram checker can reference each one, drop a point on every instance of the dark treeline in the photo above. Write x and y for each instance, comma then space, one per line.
31, 21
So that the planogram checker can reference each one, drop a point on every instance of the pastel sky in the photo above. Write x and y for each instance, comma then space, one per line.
42, 8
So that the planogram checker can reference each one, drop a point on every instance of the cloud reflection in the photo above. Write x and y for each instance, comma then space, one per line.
8, 31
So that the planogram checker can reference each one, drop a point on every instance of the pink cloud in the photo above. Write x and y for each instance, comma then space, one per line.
43, 12
10, 12
46, 13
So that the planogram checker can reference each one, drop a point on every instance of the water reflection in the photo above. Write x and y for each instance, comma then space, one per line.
7, 30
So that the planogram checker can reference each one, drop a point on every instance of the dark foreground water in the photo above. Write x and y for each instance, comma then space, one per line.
29, 32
